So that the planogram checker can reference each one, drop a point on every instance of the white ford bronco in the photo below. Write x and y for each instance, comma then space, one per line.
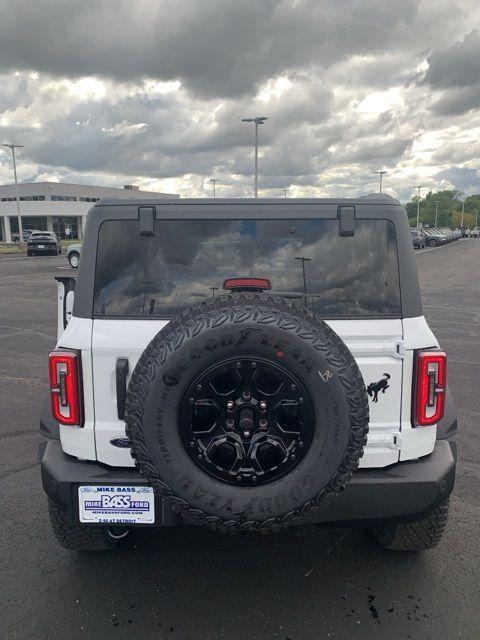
247, 365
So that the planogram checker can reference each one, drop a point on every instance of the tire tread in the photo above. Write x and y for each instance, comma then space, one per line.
77, 537
418, 535
267, 310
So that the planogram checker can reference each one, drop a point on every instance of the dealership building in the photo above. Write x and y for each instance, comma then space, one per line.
59, 207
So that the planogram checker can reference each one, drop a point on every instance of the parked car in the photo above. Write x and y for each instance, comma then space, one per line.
440, 235
434, 237
73, 255
247, 411
418, 238
43, 243
28, 232
450, 236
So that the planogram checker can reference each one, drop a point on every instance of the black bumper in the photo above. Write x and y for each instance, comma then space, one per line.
41, 252
403, 491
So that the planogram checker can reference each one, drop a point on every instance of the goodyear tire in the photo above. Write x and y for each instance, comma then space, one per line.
77, 537
418, 535
246, 412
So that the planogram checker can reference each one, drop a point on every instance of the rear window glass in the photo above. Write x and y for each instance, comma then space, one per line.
306, 261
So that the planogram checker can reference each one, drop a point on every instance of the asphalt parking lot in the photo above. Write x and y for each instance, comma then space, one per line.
306, 583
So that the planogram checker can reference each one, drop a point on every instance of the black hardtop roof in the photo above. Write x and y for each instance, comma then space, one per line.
373, 206
370, 199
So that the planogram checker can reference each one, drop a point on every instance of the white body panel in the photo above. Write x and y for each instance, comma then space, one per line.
416, 442
374, 345
113, 339
75, 441
379, 347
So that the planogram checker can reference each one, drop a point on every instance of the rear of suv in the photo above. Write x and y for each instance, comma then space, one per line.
247, 365
43, 243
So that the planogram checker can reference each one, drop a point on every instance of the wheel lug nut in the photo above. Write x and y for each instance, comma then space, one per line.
293, 456
246, 395
254, 364
199, 456
192, 400
192, 444
199, 387
230, 423
230, 405
263, 422
293, 387
263, 405
254, 478
246, 433
300, 400
300, 444
238, 365
238, 478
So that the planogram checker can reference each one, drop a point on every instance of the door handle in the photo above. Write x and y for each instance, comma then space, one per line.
121, 373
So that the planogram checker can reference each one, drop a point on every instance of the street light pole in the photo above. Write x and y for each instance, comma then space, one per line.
285, 191
418, 204
256, 120
214, 181
256, 159
12, 147
437, 202
304, 279
381, 173
463, 211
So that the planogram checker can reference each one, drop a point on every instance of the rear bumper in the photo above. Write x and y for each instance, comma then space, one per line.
47, 249
403, 491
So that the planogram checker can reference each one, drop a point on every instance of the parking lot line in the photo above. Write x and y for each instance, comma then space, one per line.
26, 257
450, 244
16, 258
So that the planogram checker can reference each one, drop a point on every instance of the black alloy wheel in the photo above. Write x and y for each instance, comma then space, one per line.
246, 421
246, 412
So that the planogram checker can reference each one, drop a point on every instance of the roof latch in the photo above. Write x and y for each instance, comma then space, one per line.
346, 221
146, 216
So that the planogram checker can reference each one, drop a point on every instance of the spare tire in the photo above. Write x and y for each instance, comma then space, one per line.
246, 411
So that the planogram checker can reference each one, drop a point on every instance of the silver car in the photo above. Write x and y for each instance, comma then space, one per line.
73, 255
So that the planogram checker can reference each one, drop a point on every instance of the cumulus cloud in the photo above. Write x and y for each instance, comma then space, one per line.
153, 92
465, 179
214, 47
456, 65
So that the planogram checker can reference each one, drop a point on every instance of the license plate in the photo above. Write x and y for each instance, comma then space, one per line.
41, 246
110, 504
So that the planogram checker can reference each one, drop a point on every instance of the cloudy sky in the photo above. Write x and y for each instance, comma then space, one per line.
152, 92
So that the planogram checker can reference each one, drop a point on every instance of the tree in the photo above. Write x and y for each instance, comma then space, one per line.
449, 208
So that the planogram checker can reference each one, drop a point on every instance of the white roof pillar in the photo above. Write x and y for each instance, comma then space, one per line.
7, 233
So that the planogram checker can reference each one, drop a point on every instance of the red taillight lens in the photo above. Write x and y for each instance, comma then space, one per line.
431, 387
65, 387
246, 283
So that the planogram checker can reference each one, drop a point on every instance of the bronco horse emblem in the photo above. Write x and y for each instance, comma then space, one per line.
382, 385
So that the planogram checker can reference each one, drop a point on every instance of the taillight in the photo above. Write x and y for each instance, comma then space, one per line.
65, 387
430, 387
263, 284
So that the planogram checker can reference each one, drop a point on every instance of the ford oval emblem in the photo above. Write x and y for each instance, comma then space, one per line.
123, 443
